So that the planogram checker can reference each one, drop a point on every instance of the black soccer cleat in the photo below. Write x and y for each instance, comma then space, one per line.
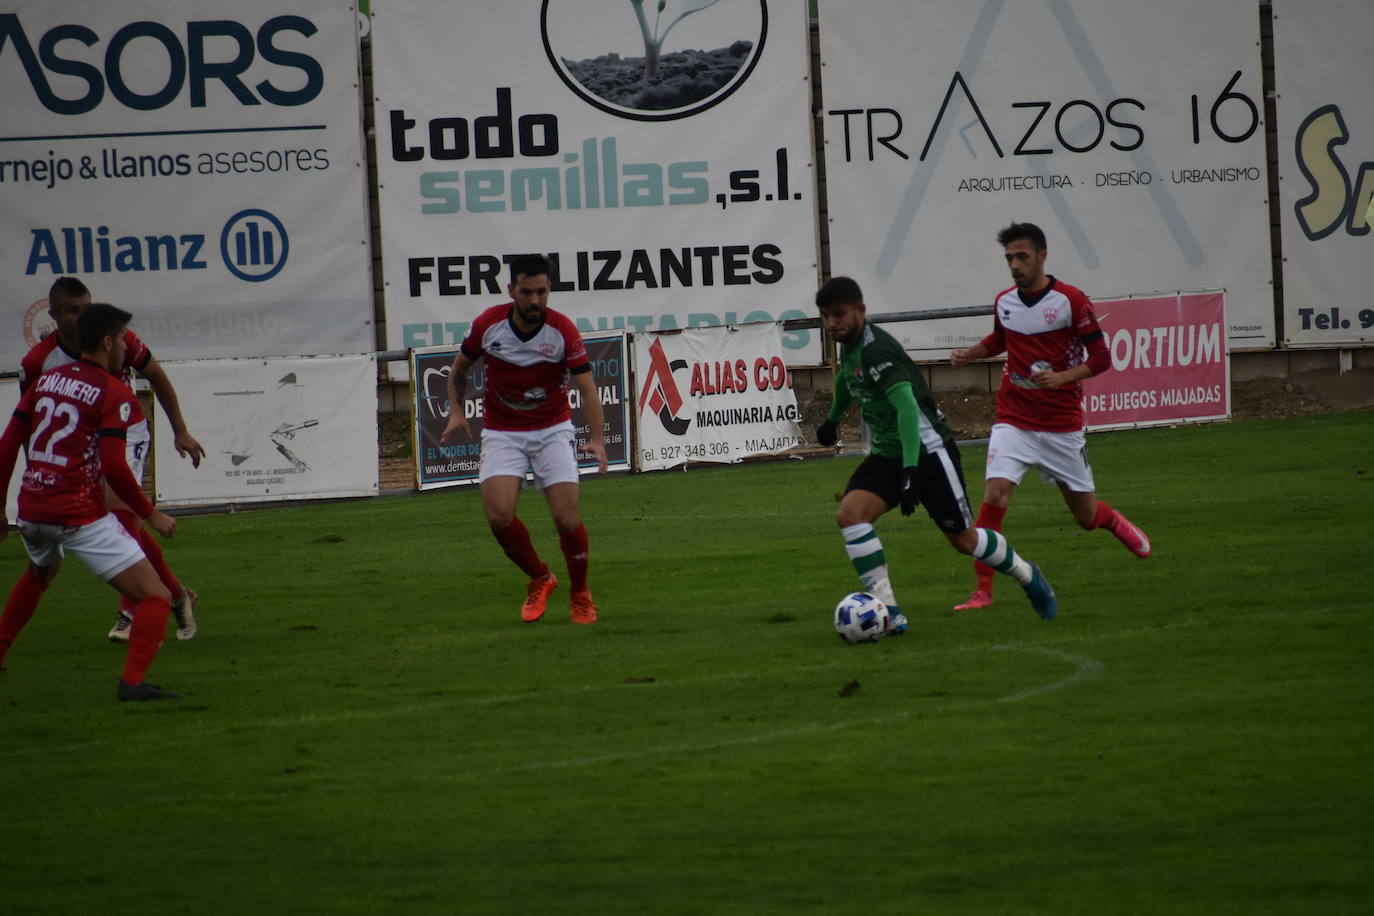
145, 691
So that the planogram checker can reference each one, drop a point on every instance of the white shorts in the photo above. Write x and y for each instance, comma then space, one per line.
1061, 457
136, 448
103, 545
551, 453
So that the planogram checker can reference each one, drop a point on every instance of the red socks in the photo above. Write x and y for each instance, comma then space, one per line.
574, 546
1103, 518
145, 638
989, 517
19, 608
515, 541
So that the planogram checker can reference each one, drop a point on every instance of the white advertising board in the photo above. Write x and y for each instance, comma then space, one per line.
1323, 70
273, 429
1131, 133
714, 395
195, 162
676, 200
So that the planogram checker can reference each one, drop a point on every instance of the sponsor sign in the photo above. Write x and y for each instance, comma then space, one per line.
196, 164
1326, 163
1131, 133
1169, 362
662, 162
273, 429
458, 462
713, 394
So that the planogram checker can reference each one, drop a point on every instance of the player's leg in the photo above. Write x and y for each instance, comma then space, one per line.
113, 554
873, 489
504, 463
44, 547
1010, 455
553, 458
153, 605
1066, 462
942, 493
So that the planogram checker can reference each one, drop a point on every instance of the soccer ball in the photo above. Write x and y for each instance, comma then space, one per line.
860, 617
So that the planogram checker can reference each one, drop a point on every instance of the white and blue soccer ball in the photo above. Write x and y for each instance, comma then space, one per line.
861, 617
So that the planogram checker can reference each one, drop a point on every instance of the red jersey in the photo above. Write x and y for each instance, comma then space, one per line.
526, 383
66, 415
49, 353
1054, 329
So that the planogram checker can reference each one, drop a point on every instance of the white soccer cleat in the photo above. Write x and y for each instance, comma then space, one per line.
185, 613
122, 625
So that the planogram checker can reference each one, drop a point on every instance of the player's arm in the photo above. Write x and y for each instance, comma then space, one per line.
992, 345
591, 408
457, 386
185, 443
828, 433
121, 480
903, 399
16, 434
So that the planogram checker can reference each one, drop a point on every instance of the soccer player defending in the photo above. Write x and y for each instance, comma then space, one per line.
66, 299
74, 419
1052, 341
531, 351
913, 457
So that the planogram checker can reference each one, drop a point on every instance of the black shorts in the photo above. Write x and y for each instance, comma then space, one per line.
942, 485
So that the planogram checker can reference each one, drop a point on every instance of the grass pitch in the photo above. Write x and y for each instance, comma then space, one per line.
369, 728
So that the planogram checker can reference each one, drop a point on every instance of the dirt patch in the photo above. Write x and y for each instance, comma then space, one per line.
683, 77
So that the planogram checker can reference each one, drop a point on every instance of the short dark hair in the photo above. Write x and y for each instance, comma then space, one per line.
527, 265
839, 291
64, 288
1018, 231
96, 322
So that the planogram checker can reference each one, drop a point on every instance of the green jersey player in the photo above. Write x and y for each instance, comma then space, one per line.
913, 458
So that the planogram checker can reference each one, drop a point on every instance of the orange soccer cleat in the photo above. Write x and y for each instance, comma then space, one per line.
976, 600
583, 611
537, 597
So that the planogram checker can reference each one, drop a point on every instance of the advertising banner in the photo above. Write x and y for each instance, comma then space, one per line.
1322, 75
661, 158
273, 429
198, 163
714, 394
1169, 362
1131, 133
439, 465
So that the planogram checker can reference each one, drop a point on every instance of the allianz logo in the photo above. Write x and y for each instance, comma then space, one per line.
253, 246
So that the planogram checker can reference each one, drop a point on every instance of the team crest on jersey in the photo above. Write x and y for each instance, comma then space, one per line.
548, 348
1051, 314
124, 412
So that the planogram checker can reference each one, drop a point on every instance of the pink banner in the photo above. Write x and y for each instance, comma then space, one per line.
1169, 362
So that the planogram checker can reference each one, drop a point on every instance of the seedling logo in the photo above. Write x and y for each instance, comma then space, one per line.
254, 245
654, 60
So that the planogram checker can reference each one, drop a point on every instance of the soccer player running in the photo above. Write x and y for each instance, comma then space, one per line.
66, 300
1050, 334
74, 420
913, 457
531, 352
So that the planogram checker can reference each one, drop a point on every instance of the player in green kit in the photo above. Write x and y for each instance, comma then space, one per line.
913, 458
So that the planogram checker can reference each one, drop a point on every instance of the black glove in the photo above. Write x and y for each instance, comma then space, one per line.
828, 433
911, 490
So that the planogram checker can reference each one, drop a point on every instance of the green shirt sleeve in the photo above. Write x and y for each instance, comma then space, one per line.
840, 399
903, 399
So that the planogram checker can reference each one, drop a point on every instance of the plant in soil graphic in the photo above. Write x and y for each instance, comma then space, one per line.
653, 40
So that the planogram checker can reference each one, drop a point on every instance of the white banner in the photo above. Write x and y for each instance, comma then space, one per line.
716, 394
1130, 132
195, 162
673, 200
273, 429
1322, 74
